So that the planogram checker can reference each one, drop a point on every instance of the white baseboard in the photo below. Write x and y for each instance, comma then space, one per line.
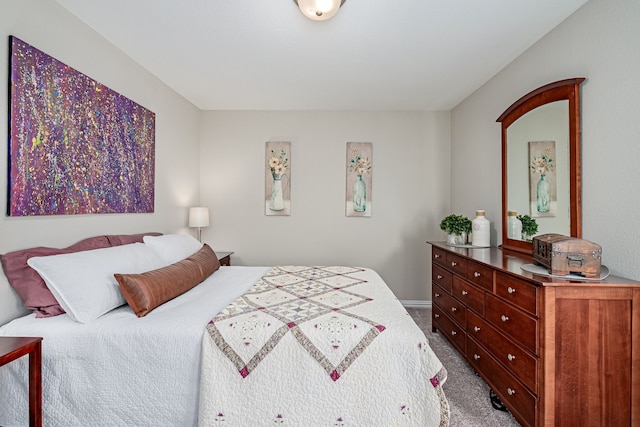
416, 303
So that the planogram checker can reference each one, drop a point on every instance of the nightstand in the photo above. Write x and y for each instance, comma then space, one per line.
12, 348
225, 258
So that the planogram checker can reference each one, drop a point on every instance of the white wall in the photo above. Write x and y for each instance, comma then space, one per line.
410, 191
417, 180
601, 42
50, 28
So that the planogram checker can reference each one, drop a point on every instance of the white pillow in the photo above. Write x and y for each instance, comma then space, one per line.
173, 247
83, 282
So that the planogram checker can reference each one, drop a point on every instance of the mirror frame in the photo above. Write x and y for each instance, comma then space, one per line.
568, 89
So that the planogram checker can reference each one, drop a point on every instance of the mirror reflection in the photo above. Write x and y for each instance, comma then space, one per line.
538, 168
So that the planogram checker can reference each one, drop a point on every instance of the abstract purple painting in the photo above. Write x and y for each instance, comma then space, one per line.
75, 146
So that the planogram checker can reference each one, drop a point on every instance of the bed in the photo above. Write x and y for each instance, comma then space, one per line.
246, 346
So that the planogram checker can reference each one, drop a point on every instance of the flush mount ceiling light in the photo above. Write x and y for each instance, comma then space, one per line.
319, 10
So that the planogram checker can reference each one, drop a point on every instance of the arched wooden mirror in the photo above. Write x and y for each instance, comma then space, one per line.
541, 162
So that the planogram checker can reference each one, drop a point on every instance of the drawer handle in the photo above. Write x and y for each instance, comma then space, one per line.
511, 290
436, 256
453, 333
437, 295
465, 292
437, 316
476, 274
439, 276
453, 263
511, 357
476, 328
454, 309
504, 318
511, 391
476, 356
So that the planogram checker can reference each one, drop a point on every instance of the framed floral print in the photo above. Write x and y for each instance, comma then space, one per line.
543, 193
359, 170
278, 178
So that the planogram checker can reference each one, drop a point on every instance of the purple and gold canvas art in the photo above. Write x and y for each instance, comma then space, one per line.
75, 146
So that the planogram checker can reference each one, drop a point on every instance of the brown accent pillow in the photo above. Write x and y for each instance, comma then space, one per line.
146, 291
29, 285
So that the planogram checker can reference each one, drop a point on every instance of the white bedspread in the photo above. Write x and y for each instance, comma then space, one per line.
121, 370
319, 346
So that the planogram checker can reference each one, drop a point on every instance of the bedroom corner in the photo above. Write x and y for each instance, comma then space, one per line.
52, 29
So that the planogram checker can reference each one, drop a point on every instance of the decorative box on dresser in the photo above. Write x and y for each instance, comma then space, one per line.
556, 352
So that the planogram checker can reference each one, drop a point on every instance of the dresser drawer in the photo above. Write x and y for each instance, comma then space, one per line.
480, 275
441, 277
468, 294
522, 364
457, 264
512, 322
439, 256
517, 292
512, 393
454, 333
454, 308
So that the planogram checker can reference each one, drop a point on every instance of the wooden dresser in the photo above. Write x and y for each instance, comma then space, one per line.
557, 353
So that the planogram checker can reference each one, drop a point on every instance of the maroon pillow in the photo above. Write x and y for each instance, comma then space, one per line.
29, 285
127, 239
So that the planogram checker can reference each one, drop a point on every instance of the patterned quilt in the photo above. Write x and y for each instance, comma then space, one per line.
319, 346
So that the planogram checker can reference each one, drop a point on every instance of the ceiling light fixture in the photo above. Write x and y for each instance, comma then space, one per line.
319, 10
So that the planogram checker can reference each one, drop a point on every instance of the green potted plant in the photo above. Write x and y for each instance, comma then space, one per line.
529, 227
457, 228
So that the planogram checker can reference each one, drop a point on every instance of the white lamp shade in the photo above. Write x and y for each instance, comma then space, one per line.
319, 10
198, 217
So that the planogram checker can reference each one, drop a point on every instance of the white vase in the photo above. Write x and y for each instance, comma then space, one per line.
277, 201
514, 226
481, 230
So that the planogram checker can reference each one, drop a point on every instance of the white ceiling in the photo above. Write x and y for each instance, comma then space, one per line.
373, 55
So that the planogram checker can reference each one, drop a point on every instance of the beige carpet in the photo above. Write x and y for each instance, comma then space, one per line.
467, 393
